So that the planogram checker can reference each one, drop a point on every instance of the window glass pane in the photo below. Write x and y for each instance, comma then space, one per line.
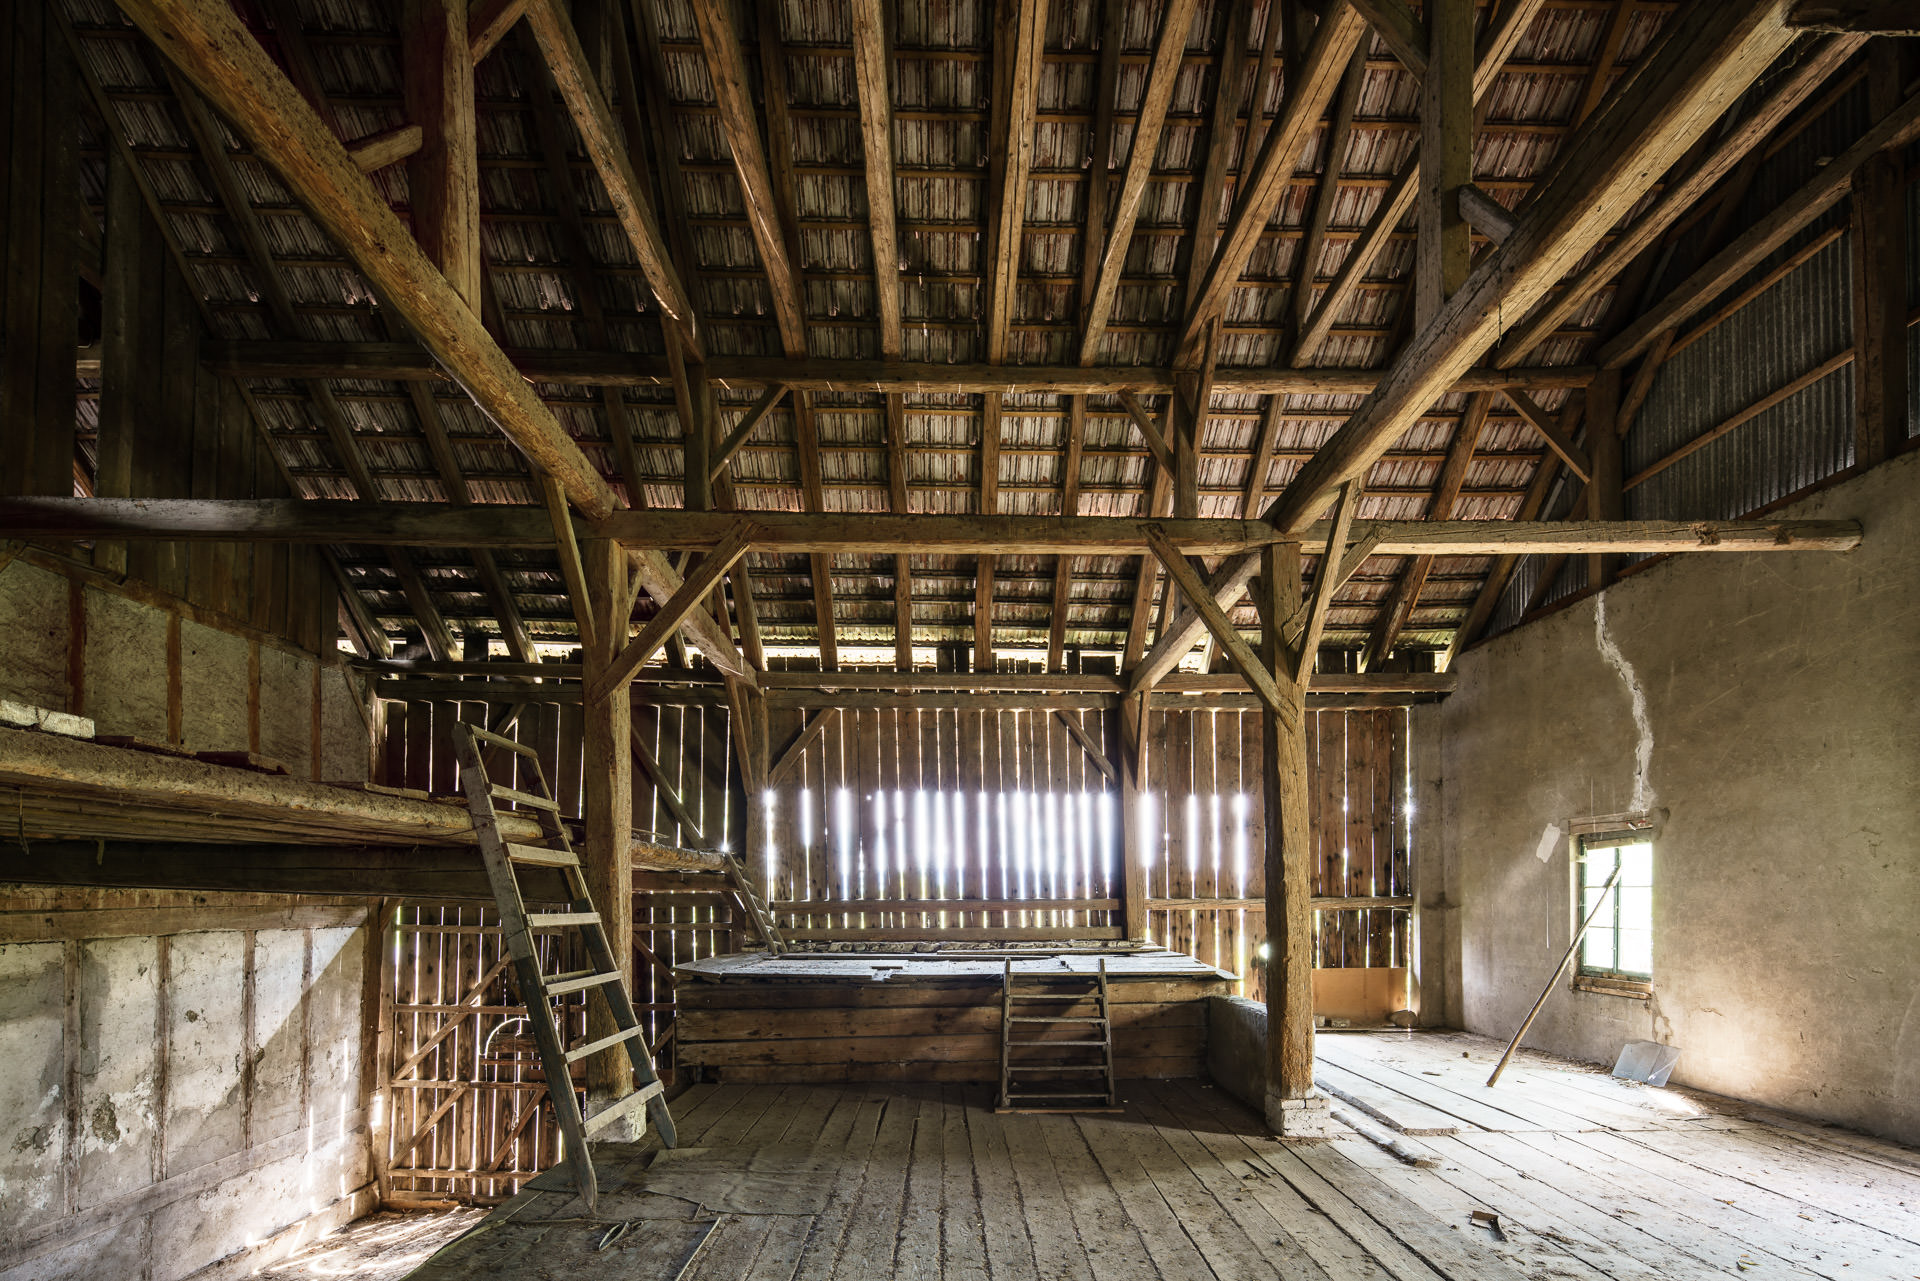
1636, 951
1636, 864
1590, 898
1636, 908
1596, 951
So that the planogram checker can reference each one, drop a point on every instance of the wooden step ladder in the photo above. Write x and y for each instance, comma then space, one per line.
746, 893
1077, 1068
578, 919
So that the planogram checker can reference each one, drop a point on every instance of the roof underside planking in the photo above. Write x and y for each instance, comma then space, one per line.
563, 282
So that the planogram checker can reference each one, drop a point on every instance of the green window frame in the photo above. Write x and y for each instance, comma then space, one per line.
1619, 943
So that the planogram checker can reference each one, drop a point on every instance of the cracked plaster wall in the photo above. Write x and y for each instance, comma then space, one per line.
1781, 751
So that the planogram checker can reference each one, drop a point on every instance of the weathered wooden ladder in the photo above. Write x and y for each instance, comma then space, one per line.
746, 893
577, 919
1086, 1052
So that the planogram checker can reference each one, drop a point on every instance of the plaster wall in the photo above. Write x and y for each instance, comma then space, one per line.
1775, 747
186, 1103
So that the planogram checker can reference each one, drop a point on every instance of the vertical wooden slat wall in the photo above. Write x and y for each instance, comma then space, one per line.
909, 804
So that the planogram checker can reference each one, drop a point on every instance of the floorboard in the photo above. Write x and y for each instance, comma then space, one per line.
1592, 1179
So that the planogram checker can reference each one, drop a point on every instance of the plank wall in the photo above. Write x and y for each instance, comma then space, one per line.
1006, 808
836, 1031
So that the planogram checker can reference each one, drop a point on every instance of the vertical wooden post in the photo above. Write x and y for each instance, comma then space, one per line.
1605, 498
1133, 846
1293, 1111
1879, 244
607, 804
444, 175
1446, 157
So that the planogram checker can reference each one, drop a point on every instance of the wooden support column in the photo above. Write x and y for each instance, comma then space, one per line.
1605, 498
1133, 846
1879, 242
607, 802
1292, 1109
1446, 157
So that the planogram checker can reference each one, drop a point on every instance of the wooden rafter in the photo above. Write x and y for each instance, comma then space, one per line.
1491, 53
1161, 75
1019, 34
1706, 57
208, 42
1321, 70
587, 104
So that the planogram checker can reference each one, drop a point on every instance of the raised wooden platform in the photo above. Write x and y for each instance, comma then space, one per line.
891, 1016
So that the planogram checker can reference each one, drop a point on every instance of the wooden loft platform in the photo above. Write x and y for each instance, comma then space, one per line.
57, 789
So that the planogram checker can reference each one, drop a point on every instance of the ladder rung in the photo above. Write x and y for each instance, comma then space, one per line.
498, 740
623, 1107
1056, 1018
1058, 1094
1062, 1043
549, 920
1057, 1067
1052, 996
578, 981
594, 1047
528, 799
539, 856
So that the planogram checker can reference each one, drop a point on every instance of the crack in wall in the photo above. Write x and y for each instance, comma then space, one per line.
1642, 723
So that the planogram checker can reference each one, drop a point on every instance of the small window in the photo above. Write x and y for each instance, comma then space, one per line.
1618, 948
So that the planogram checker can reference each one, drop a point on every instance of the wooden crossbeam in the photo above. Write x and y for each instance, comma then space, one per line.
1239, 653
743, 429
740, 123
1403, 33
294, 520
661, 582
1557, 439
691, 592
1820, 193
1020, 28
1705, 58
209, 43
403, 362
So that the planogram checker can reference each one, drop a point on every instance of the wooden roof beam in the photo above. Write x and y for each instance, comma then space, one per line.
1495, 46
740, 122
1820, 193
1334, 40
1019, 35
1675, 201
209, 43
1161, 76
1706, 57
1403, 33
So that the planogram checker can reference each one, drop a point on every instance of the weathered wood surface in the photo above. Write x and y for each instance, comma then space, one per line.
924, 1179
421, 525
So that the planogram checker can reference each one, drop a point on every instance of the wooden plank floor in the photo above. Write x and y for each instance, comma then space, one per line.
1590, 1178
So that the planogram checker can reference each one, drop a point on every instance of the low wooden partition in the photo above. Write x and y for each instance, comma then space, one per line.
916, 1017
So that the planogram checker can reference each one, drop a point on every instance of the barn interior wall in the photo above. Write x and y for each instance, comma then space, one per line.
184, 1092
1779, 759
146, 666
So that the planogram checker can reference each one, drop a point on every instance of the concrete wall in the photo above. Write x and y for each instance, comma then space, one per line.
151, 667
181, 1102
1237, 1048
1775, 745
